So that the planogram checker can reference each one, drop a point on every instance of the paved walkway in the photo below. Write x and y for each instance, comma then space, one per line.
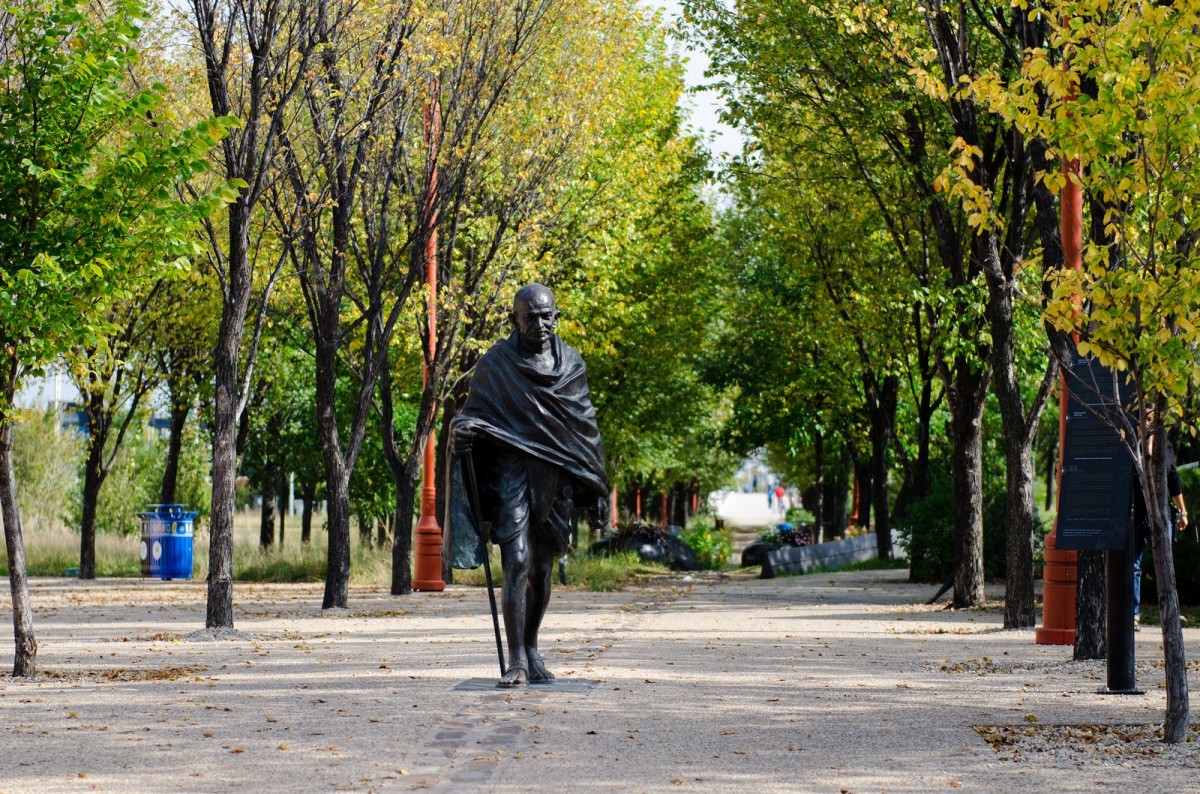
744, 509
746, 514
829, 683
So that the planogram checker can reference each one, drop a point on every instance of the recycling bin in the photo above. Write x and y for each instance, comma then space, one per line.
167, 537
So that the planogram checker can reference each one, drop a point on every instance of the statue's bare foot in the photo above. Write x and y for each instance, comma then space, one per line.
537, 668
516, 676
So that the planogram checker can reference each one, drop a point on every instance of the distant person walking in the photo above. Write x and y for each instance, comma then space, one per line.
780, 492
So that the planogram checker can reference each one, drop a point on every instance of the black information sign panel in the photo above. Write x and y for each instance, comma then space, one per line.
1097, 473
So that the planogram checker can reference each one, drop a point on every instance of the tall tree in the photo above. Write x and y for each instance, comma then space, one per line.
255, 61
992, 176
113, 376
84, 187
1136, 137
360, 107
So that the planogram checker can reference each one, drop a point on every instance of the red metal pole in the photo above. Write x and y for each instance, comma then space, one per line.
427, 565
1061, 573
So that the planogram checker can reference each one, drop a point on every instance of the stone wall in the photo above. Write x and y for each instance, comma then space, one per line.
834, 554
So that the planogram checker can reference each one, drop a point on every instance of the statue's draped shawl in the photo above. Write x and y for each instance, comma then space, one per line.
545, 414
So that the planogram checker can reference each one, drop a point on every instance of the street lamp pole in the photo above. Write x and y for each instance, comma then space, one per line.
427, 565
1061, 572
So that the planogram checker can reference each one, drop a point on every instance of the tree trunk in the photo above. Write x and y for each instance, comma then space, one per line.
284, 506
170, 479
266, 524
1020, 428
99, 422
258, 91
308, 496
837, 497
404, 471
879, 496
967, 462
337, 575
365, 530
882, 420
226, 416
384, 531
1020, 432
1049, 502
1020, 611
406, 492
25, 653
1175, 726
93, 478
917, 482
614, 510
1090, 608
337, 476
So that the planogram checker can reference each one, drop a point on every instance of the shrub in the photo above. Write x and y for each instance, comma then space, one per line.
798, 515
713, 547
927, 531
131, 485
585, 571
769, 536
46, 462
135, 481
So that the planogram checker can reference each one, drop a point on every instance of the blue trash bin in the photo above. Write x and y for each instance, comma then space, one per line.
167, 537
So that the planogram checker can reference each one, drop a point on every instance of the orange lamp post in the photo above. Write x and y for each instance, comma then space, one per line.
427, 551
1061, 572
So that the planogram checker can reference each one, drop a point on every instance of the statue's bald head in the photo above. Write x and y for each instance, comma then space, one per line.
530, 294
534, 315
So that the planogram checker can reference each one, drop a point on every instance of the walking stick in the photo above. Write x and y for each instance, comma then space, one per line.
469, 466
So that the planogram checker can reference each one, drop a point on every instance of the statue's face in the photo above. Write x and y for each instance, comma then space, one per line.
535, 317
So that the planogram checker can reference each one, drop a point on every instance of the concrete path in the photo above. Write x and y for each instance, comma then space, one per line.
744, 509
827, 683
746, 514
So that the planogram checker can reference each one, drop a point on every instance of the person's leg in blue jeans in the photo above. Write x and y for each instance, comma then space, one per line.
1137, 586
1139, 546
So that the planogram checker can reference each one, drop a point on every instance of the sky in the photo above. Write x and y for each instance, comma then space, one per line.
702, 107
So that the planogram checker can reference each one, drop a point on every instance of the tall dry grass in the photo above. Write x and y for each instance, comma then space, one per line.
53, 551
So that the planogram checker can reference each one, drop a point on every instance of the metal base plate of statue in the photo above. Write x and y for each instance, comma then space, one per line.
525, 457
563, 685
